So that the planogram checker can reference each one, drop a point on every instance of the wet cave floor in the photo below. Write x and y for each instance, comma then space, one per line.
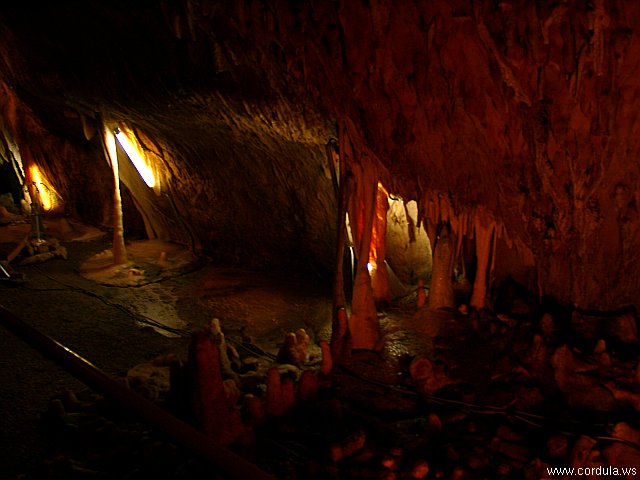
450, 396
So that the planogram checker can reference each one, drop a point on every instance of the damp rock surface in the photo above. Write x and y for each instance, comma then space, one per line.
473, 395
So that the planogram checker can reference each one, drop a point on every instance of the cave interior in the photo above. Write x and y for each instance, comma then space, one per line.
363, 238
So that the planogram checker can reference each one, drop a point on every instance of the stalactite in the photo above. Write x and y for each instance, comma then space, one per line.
411, 227
215, 412
462, 230
363, 323
377, 252
339, 326
484, 231
441, 289
339, 300
119, 249
442, 226
88, 128
507, 73
431, 228
9, 109
498, 230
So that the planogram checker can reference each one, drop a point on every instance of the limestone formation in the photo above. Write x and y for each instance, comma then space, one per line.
294, 349
212, 406
228, 355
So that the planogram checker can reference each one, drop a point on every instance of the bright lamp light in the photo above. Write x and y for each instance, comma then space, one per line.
137, 157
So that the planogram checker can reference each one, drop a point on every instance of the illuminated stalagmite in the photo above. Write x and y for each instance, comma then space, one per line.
119, 249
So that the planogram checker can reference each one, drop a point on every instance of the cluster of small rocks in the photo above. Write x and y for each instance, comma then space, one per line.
40, 250
553, 393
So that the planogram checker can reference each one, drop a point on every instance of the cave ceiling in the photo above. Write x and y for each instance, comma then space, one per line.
526, 111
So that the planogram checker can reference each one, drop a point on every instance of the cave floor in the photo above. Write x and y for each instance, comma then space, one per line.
488, 420
117, 328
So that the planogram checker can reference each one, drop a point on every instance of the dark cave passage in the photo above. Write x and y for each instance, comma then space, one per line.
343, 239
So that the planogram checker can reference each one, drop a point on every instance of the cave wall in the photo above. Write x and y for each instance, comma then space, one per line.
70, 170
525, 111
236, 189
525, 108
243, 173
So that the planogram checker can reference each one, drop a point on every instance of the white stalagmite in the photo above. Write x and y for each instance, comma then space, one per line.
119, 250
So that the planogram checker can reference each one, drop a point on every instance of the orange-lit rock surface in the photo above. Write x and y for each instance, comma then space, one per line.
526, 109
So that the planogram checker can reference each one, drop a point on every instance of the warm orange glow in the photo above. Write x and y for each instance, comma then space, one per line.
379, 230
136, 154
42, 189
377, 247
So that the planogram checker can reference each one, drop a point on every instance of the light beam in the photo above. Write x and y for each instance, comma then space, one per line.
136, 155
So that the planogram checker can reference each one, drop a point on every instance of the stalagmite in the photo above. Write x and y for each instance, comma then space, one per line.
253, 409
288, 388
294, 349
223, 348
308, 385
340, 336
119, 250
441, 289
363, 323
231, 391
210, 401
302, 345
274, 402
326, 365
484, 233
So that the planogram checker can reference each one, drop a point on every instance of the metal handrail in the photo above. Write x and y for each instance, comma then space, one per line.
229, 463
